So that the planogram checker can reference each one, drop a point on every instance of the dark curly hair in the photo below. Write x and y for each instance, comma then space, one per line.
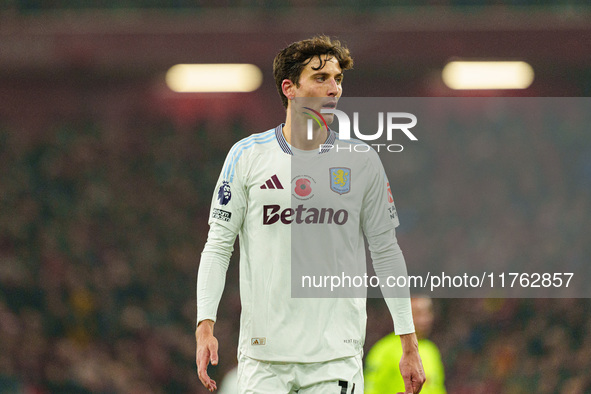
290, 62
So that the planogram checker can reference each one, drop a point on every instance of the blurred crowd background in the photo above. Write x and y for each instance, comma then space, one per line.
106, 178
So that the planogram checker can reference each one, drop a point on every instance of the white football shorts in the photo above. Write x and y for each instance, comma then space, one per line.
340, 376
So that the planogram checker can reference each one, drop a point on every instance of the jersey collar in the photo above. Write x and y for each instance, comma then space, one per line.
287, 149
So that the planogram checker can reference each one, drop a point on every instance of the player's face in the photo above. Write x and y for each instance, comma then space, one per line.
325, 83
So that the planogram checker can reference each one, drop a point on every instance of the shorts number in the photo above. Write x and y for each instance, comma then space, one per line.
344, 385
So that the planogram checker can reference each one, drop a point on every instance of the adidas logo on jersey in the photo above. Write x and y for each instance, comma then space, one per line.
272, 183
258, 341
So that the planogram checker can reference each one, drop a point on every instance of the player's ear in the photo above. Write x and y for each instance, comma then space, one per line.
288, 88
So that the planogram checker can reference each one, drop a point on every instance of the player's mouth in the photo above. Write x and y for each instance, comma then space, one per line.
330, 104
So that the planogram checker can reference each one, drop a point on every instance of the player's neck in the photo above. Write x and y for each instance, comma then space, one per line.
296, 134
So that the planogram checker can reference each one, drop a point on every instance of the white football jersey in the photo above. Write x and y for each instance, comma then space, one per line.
301, 213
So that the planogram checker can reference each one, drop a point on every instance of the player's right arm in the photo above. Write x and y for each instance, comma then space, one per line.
211, 278
227, 212
207, 351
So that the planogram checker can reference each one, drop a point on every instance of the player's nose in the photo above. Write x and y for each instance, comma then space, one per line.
333, 88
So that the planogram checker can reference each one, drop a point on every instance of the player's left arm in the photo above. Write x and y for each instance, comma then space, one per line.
388, 262
411, 366
379, 220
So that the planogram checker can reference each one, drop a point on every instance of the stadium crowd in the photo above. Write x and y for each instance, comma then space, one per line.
101, 231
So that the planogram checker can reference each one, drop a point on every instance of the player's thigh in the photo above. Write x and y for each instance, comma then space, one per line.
258, 377
343, 376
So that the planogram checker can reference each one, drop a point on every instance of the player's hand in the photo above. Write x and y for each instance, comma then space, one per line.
207, 351
411, 366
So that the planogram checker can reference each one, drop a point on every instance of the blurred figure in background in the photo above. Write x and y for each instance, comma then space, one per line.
382, 375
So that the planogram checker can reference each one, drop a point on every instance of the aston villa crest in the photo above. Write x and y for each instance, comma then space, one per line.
340, 180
